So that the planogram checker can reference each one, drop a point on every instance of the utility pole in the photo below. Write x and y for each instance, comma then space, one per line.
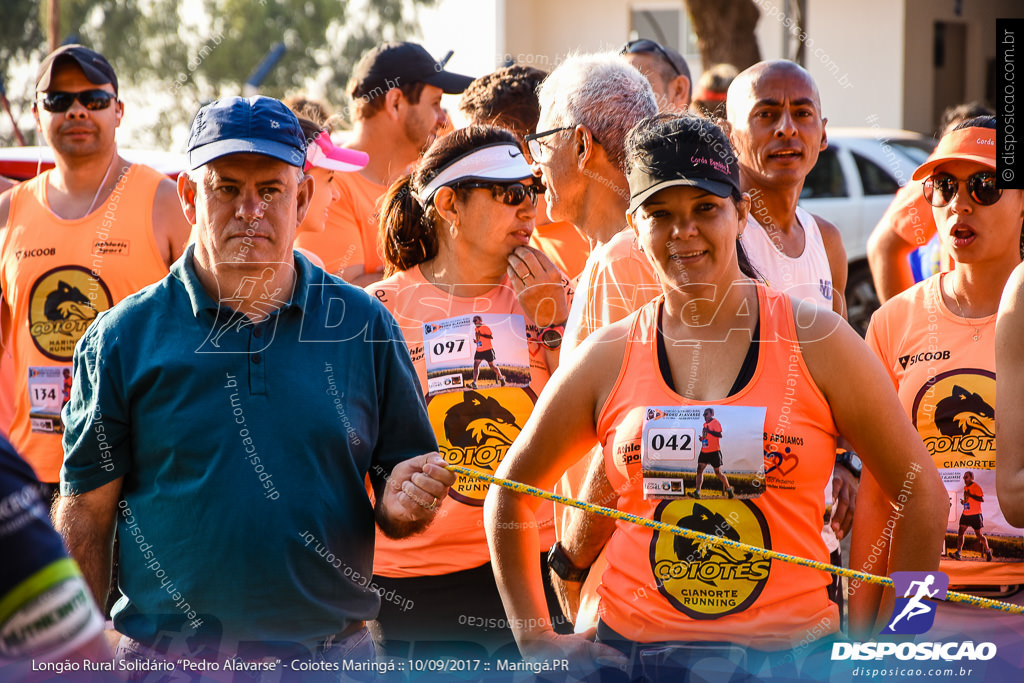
54, 27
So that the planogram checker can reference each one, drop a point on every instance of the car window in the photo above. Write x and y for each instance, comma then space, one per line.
917, 150
873, 178
826, 178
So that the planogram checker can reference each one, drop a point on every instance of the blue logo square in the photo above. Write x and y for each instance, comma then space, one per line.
914, 611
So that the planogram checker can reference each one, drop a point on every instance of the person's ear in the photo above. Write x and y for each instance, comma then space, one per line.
728, 130
584, 141
679, 92
187, 197
446, 204
35, 115
119, 113
393, 100
824, 135
302, 198
743, 209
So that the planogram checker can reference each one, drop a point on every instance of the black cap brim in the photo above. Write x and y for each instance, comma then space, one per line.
450, 83
713, 186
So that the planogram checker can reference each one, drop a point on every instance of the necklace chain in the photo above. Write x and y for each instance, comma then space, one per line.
960, 309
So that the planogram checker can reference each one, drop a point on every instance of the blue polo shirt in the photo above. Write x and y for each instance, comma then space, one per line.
244, 450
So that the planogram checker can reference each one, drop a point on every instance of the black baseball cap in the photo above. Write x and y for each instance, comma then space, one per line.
254, 125
94, 65
392, 65
678, 161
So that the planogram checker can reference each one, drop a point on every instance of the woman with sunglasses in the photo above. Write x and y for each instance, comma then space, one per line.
777, 378
937, 340
482, 314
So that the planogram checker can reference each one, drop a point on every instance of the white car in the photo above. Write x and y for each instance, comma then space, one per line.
852, 185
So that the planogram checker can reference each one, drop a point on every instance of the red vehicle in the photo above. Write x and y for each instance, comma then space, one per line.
22, 163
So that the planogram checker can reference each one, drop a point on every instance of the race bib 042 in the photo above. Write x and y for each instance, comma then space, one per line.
709, 452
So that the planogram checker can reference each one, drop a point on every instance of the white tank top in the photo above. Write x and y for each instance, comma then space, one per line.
807, 277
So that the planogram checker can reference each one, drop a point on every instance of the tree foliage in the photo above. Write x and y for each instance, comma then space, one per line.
200, 50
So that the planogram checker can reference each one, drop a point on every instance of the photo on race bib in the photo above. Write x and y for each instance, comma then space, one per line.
964, 486
705, 452
479, 351
49, 388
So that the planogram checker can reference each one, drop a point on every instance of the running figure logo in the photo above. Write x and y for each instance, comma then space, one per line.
914, 613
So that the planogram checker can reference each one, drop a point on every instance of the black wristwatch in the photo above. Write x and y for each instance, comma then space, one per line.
561, 565
849, 460
551, 336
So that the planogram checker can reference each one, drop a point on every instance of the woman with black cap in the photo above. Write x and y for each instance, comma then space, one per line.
779, 376
466, 288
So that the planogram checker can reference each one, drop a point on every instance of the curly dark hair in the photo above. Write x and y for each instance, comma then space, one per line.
505, 98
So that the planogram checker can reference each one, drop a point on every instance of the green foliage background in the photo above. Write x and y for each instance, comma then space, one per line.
203, 49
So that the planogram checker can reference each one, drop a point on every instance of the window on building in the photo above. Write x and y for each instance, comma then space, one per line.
669, 26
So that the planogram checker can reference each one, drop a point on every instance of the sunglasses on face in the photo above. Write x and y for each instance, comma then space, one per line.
647, 45
93, 100
940, 188
512, 194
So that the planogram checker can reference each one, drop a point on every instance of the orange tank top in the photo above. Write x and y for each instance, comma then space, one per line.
660, 587
944, 370
57, 275
474, 425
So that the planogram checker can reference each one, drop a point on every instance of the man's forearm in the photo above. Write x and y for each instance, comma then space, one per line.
89, 541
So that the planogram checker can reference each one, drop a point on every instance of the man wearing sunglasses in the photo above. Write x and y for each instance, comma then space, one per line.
76, 240
665, 69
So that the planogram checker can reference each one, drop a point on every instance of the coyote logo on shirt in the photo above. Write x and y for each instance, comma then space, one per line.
703, 579
63, 302
475, 429
714, 524
480, 421
954, 415
67, 303
965, 412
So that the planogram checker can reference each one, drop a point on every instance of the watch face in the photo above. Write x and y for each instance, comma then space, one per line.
551, 338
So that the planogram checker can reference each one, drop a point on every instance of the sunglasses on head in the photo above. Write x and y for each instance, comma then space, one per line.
648, 45
93, 100
512, 194
940, 188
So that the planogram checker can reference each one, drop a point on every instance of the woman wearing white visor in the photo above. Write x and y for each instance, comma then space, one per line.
482, 313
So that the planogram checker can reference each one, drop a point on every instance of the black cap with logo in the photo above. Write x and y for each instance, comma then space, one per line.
681, 161
392, 65
94, 65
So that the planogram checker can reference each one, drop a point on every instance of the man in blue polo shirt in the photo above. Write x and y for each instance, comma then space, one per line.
226, 418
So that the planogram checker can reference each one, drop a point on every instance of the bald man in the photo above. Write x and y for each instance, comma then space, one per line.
777, 130
776, 127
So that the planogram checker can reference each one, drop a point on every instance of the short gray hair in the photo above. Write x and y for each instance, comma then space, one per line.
601, 92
